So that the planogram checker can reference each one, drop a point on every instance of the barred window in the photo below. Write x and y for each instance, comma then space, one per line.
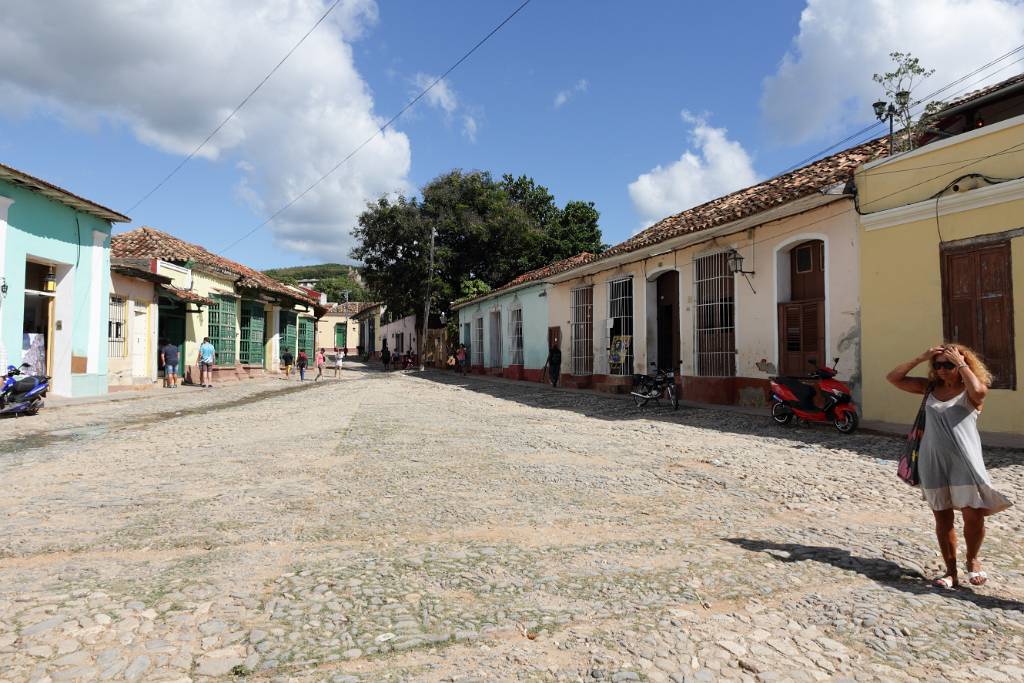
620, 311
306, 337
221, 329
582, 338
715, 317
478, 342
516, 325
117, 345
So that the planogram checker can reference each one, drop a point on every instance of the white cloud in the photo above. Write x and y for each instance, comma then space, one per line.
823, 84
564, 96
171, 71
716, 167
469, 127
442, 96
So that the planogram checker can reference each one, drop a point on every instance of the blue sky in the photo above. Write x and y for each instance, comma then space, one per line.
664, 104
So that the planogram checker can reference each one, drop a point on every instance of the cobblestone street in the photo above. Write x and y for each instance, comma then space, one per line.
435, 528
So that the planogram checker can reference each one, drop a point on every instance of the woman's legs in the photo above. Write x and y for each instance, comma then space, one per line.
945, 532
974, 535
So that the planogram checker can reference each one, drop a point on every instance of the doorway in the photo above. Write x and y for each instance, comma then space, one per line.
37, 323
140, 339
802, 318
667, 292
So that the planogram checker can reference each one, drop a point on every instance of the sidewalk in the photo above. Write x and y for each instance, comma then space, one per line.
988, 439
149, 393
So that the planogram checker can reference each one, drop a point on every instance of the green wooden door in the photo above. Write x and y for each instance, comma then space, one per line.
221, 328
340, 335
250, 349
287, 330
306, 338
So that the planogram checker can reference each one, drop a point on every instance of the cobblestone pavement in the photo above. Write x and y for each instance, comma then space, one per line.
403, 527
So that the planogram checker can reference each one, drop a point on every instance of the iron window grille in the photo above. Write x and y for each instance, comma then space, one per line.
582, 332
495, 356
478, 342
516, 332
714, 317
221, 328
250, 347
117, 345
620, 332
287, 329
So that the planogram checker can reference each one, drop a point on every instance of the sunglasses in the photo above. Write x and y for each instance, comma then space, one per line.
942, 365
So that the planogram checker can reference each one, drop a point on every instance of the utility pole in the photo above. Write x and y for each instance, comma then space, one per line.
426, 304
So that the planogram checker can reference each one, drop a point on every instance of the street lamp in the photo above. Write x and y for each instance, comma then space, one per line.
887, 110
734, 260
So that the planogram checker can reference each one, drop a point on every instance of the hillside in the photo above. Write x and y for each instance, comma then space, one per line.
317, 272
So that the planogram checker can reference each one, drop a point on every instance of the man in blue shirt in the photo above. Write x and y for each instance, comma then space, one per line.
206, 358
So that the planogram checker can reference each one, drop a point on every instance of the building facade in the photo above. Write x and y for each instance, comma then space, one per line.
133, 325
249, 317
54, 282
337, 328
942, 260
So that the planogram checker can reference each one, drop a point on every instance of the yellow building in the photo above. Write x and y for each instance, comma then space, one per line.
942, 258
249, 317
337, 328
132, 324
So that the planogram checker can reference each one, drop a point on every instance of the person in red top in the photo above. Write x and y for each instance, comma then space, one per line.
321, 361
302, 361
460, 358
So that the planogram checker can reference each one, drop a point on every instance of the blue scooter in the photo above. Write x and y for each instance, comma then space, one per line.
22, 396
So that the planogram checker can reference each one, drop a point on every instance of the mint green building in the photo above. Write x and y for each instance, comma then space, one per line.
55, 283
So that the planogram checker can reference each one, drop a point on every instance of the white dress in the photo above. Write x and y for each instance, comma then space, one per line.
950, 464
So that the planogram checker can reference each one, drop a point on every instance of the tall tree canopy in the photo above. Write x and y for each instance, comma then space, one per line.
487, 233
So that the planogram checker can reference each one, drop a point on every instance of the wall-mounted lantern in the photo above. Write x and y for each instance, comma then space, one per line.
50, 282
735, 263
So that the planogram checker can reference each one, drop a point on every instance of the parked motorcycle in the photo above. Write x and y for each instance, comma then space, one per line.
22, 396
662, 384
793, 397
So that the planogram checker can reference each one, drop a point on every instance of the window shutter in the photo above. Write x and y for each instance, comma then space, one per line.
978, 306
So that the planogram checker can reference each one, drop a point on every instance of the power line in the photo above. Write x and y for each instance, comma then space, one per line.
236, 109
380, 130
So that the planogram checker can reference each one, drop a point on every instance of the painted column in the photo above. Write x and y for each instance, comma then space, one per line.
95, 302
5, 204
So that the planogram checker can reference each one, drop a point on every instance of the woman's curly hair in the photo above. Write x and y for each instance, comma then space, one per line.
975, 363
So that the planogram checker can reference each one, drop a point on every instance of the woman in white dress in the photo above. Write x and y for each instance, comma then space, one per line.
950, 464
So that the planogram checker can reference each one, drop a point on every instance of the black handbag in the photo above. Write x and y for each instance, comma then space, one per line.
907, 467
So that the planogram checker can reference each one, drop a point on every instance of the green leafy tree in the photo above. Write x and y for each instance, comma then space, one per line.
487, 232
898, 86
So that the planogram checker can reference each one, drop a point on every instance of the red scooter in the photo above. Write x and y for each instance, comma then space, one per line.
792, 397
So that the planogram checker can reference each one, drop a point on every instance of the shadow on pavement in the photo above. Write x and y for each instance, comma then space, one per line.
877, 569
621, 408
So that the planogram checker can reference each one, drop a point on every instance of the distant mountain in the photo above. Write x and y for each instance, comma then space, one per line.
315, 272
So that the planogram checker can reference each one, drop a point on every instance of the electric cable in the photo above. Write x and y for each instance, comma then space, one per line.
236, 109
380, 130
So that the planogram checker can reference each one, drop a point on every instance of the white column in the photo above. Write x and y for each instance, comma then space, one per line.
5, 204
96, 312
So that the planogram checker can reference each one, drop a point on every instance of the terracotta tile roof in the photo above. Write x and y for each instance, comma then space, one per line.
186, 295
365, 307
982, 92
152, 243
136, 268
535, 276
348, 309
802, 182
61, 195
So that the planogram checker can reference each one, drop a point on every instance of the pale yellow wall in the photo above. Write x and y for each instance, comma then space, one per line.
325, 331
918, 175
902, 308
120, 370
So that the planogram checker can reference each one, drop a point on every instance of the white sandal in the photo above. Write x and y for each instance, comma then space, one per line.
971, 576
945, 582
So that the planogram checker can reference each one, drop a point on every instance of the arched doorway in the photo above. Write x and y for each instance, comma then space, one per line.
667, 293
802, 317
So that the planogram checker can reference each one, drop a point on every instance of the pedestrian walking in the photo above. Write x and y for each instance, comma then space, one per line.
288, 360
385, 354
169, 362
554, 363
460, 358
206, 357
339, 359
321, 361
950, 465
302, 362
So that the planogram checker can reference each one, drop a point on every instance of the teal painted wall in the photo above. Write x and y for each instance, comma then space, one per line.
47, 231
535, 325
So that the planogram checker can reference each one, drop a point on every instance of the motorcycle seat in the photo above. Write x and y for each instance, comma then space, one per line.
23, 386
803, 392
